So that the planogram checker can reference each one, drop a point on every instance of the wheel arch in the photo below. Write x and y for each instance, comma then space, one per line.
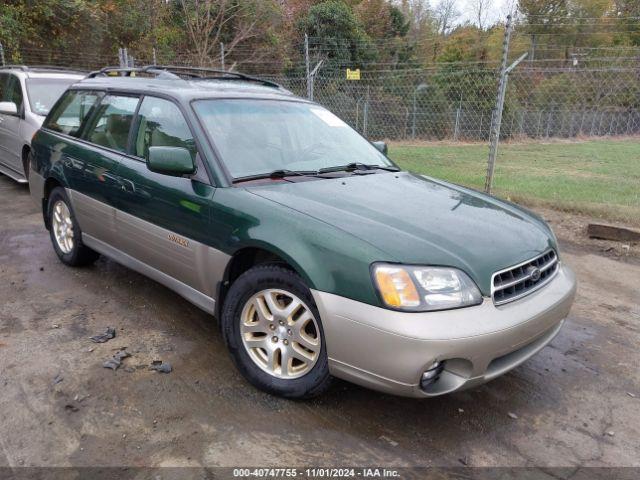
49, 184
248, 257
26, 149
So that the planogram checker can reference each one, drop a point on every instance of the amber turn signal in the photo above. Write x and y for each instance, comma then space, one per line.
396, 287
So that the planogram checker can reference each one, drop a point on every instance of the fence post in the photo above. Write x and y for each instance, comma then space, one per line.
365, 115
222, 55
1, 54
155, 59
307, 65
496, 119
420, 87
121, 62
457, 125
546, 131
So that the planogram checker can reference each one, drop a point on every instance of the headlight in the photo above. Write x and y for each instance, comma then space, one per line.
422, 289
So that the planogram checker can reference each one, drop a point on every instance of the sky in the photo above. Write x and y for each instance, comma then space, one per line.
499, 9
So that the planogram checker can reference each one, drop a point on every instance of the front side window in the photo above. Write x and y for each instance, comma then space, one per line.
12, 91
256, 137
71, 111
111, 123
161, 124
3, 85
43, 92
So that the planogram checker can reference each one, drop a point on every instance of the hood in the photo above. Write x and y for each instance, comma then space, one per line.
420, 220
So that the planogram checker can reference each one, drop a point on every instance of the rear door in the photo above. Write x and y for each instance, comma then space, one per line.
93, 161
10, 141
163, 220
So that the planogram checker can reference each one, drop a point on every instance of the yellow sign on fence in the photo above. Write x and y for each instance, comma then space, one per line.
353, 74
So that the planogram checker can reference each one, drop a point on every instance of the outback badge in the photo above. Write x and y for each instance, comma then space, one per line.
180, 241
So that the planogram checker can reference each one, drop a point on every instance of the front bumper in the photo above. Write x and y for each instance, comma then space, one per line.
389, 351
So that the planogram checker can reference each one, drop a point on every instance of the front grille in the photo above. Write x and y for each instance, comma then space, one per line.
516, 282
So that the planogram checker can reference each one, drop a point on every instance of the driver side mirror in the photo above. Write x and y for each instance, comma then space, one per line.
174, 161
8, 108
382, 146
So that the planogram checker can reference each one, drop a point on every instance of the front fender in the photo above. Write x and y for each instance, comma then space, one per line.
327, 258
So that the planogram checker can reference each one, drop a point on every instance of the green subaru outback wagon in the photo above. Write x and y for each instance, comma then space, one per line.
317, 254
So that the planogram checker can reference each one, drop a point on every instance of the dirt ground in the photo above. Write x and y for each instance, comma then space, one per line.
575, 403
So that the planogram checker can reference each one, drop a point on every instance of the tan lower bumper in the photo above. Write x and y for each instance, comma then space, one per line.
389, 351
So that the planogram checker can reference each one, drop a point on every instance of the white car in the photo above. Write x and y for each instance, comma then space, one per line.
26, 95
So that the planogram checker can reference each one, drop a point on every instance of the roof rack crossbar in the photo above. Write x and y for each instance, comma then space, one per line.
125, 71
191, 72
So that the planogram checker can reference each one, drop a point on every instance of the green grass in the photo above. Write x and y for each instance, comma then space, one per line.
600, 178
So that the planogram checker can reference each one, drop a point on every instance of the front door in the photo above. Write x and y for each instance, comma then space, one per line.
163, 220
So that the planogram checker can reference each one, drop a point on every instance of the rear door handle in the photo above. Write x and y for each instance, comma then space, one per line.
127, 185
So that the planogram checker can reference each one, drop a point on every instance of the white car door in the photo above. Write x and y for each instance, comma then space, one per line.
10, 140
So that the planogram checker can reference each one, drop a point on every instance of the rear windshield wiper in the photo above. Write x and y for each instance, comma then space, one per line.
280, 173
357, 166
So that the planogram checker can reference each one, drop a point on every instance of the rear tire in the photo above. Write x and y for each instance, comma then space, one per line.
273, 331
65, 232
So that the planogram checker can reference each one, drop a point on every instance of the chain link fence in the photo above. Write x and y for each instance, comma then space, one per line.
453, 102
458, 105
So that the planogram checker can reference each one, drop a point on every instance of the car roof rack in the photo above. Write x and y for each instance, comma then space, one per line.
175, 72
35, 68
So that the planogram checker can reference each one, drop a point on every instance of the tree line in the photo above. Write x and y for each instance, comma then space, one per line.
267, 35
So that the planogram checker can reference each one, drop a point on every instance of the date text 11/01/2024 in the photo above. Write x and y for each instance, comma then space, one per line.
315, 473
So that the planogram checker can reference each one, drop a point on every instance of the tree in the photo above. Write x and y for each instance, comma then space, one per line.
446, 13
626, 11
336, 35
480, 11
234, 22
45, 32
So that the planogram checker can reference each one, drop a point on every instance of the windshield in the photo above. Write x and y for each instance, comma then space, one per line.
255, 137
44, 92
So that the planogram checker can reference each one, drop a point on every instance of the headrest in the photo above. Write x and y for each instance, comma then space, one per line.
118, 124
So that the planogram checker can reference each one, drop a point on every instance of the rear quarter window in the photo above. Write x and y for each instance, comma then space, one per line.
71, 111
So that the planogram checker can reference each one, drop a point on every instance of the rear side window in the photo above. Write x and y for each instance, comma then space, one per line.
161, 124
111, 123
71, 111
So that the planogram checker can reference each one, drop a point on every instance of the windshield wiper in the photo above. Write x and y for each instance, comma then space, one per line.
280, 173
349, 167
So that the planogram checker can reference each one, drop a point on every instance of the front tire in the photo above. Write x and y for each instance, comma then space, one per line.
26, 164
272, 328
65, 233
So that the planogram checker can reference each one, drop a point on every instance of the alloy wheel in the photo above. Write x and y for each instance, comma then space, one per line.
280, 333
62, 226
